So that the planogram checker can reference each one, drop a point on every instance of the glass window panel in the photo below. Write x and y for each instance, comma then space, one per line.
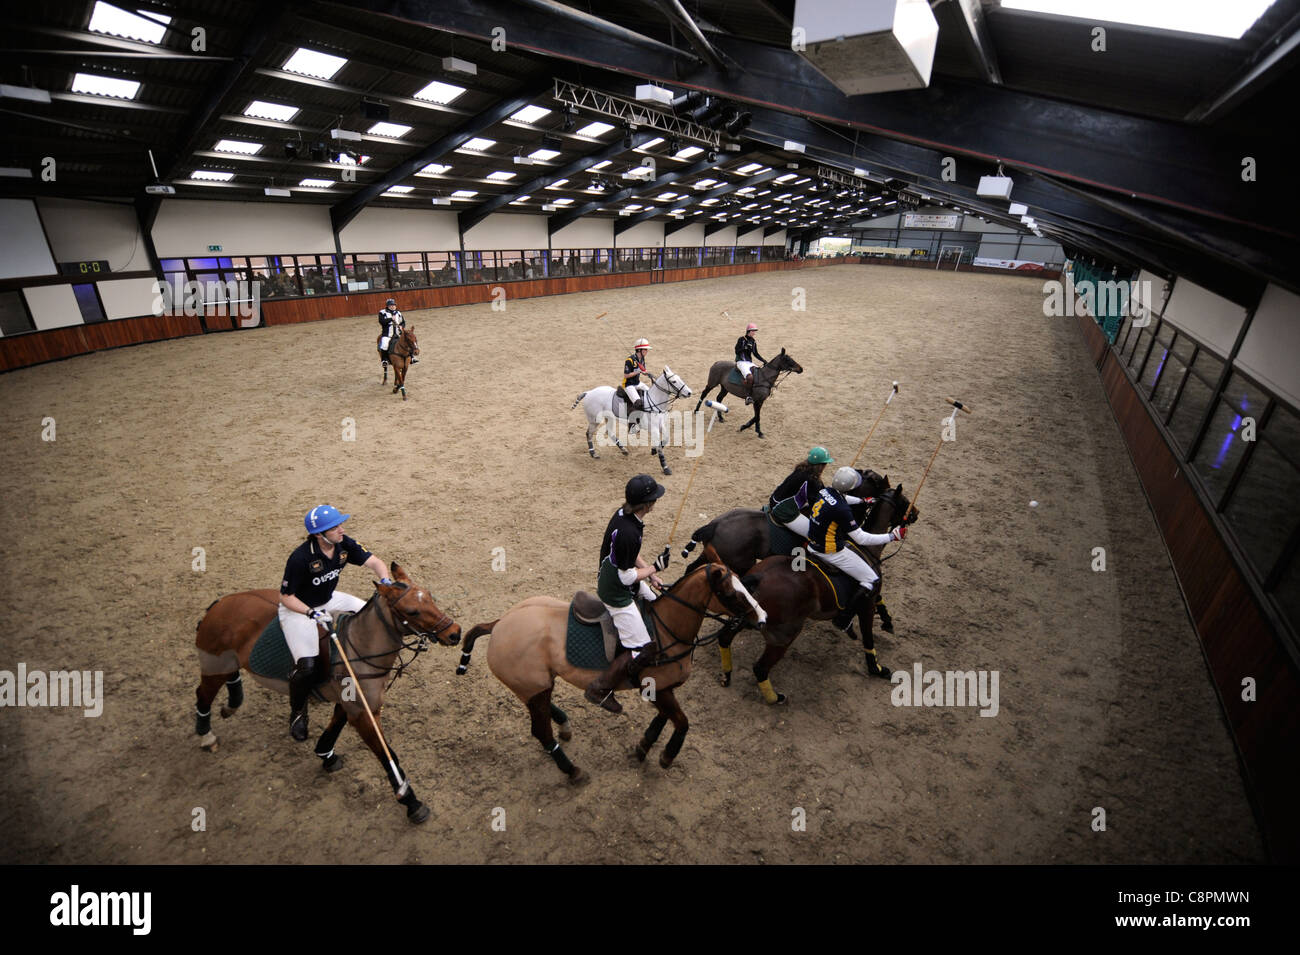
1259, 510
1190, 412
1156, 360
204, 264
14, 319
1140, 346
533, 267
1167, 388
1219, 453
172, 265
88, 302
410, 270
442, 268
1183, 347
371, 271
1283, 433
1287, 592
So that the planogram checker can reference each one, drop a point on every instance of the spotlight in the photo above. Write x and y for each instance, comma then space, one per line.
687, 101
707, 106
570, 117
711, 156
291, 149
674, 146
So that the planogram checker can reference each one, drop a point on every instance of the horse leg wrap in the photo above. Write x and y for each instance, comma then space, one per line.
673, 747
725, 653
561, 719
561, 760
651, 736
330, 761
202, 721
769, 695
464, 664
234, 694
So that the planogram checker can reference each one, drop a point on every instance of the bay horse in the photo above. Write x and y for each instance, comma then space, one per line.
527, 653
396, 617
741, 538
404, 349
766, 378
791, 597
602, 405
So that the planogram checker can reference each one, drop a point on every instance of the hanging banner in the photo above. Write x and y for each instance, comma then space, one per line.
916, 220
1018, 265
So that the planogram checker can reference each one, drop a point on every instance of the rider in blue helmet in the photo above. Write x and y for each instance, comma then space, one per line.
308, 596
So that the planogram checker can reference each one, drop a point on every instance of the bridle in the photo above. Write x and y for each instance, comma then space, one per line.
781, 373
418, 643
673, 394
698, 641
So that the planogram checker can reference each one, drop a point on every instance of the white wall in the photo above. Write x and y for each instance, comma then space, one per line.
23, 249
692, 235
81, 231
1272, 343
502, 230
1149, 292
127, 298
752, 237
776, 238
396, 230
643, 235
584, 234
1210, 319
53, 306
725, 237
186, 227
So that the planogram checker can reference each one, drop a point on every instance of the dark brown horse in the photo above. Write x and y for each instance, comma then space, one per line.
791, 597
741, 537
766, 379
397, 616
527, 653
403, 350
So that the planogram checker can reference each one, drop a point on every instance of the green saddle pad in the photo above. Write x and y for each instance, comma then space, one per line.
734, 378
782, 539
584, 643
271, 657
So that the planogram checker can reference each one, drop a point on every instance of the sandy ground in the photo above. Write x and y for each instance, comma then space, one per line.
222, 442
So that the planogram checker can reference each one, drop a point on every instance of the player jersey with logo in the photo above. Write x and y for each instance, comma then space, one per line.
311, 576
633, 369
830, 521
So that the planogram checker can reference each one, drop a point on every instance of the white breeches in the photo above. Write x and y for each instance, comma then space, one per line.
744, 367
631, 628
851, 564
300, 630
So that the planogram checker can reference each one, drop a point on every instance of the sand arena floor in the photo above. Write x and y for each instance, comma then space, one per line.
223, 442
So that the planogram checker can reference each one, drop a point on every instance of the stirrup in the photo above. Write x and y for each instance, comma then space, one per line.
607, 701
298, 724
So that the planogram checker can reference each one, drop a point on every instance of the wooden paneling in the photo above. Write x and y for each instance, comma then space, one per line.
36, 347
1237, 637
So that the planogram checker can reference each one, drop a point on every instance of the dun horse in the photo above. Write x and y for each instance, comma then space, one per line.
527, 653
398, 616
792, 597
766, 379
404, 349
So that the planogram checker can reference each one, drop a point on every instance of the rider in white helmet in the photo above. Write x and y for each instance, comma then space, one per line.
308, 596
632, 390
831, 522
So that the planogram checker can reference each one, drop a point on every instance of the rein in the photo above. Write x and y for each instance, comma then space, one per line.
693, 644
419, 644
673, 395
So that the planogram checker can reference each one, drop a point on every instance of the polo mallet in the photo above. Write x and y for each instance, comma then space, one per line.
672, 533
893, 391
397, 774
956, 406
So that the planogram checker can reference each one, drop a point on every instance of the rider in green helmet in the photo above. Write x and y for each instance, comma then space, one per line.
792, 498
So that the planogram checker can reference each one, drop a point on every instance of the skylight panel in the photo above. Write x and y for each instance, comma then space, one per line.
599, 166
530, 114
645, 147
666, 195
634, 207
595, 129
557, 184
238, 146
392, 130
748, 168
211, 175
709, 202
114, 21
640, 171
786, 178
433, 169
464, 194
1204, 17
440, 93
545, 155
706, 183
105, 86
277, 111
314, 63
501, 176
687, 152
477, 145
520, 201
562, 202
398, 190
317, 183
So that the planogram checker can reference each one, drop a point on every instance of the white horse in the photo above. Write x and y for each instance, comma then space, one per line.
603, 406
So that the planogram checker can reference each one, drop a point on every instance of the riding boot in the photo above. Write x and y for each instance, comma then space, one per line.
300, 684
844, 619
642, 661
635, 406
601, 690
749, 382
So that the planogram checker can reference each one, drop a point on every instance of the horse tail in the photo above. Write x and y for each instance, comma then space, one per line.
205, 613
701, 535
577, 400
478, 630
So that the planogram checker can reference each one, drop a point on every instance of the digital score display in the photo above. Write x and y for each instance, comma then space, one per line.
90, 268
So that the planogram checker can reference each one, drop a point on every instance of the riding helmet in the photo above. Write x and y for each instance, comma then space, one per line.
820, 455
640, 343
751, 327
846, 479
643, 489
392, 302
322, 518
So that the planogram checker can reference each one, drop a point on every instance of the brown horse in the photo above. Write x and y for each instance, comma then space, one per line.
373, 638
766, 379
527, 653
792, 597
403, 350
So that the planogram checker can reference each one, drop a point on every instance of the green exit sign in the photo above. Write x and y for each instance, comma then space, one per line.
214, 248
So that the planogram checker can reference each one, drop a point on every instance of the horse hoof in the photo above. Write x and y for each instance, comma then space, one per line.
883, 672
333, 764
578, 777
887, 627
209, 743
665, 762
594, 455
566, 733
227, 712
417, 813
759, 433
726, 679
667, 469
623, 449
637, 753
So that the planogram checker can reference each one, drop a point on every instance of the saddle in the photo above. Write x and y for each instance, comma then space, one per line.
591, 642
734, 377
271, 658
842, 585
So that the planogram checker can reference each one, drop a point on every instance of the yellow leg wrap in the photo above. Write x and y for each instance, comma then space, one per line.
769, 694
872, 651
726, 658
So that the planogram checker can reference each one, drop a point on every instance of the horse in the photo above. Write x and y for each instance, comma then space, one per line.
602, 405
792, 596
527, 653
373, 638
766, 379
404, 349
741, 538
